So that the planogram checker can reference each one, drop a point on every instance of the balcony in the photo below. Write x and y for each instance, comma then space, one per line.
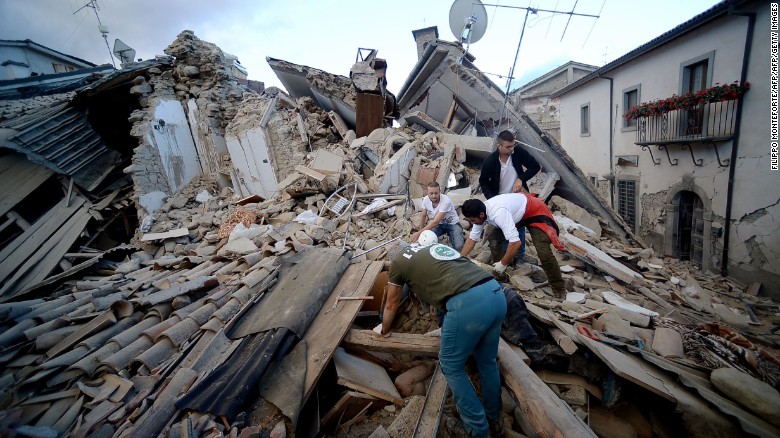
706, 123
706, 116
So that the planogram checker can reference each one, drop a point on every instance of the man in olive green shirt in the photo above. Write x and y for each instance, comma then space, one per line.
475, 307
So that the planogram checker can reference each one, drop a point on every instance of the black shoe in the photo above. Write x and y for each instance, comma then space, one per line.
454, 428
496, 428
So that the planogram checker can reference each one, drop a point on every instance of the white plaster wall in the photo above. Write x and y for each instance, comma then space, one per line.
174, 143
249, 154
591, 153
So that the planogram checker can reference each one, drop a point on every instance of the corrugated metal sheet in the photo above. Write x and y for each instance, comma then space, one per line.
61, 139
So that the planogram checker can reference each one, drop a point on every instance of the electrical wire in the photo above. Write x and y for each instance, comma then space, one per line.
594, 23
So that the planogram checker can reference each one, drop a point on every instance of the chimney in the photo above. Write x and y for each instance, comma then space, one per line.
423, 37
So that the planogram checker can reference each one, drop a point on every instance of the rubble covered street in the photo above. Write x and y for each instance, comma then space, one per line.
189, 254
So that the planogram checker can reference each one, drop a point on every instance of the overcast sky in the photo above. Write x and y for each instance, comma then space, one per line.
327, 33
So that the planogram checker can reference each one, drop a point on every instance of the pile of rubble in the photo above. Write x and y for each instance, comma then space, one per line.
233, 313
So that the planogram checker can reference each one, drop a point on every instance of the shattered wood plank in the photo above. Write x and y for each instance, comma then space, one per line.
520, 353
338, 122
48, 256
548, 376
327, 330
348, 405
301, 127
753, 289
563, 340
430, 416
546, 413
179, 232
362, 375
398, 343
311, 173
24, 176
37, 234
599, 259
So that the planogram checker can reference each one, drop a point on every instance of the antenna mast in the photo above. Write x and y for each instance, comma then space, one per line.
522, 32
103, 29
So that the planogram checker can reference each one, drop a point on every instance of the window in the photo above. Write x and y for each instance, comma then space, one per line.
630, 98
695, 75
62, 68
593, 180
627, 201
585, 119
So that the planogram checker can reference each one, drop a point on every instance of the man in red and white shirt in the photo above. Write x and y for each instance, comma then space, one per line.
509, 212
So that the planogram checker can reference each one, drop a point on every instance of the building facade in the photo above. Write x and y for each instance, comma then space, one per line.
694, 181
25, 58
534, 97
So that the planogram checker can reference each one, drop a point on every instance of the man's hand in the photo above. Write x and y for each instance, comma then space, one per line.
499, 267
517, 187
413, 238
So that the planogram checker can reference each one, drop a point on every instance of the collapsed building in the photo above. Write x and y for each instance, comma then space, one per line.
235, 241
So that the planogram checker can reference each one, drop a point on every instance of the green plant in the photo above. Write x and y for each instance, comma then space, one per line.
688, 101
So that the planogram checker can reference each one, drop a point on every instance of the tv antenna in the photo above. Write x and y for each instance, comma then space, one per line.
101, 28
468, 21
124, 52
535, 11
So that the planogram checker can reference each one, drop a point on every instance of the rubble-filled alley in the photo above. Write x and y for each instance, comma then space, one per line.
188, 254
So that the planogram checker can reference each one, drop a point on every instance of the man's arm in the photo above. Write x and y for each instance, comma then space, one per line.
392, 302
485, 178
524, 159
511, 251
467, 247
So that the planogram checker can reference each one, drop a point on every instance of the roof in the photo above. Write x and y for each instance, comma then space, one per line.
61, 139
554, 72
51, 52
433, 29
705, 17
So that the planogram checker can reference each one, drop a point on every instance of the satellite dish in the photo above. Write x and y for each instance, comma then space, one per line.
468, 20
124, 52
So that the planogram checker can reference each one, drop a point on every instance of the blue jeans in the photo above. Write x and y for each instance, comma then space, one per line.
455, 233
473, 324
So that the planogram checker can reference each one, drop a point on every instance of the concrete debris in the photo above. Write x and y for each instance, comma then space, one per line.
232, 186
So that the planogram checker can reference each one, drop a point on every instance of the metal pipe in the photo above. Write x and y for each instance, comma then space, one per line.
378, 246
611, 140
724, 264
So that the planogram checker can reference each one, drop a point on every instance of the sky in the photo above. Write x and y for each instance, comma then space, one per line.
326, 34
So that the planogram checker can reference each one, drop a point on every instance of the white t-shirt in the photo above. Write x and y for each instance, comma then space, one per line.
503, 211
508, 176
445, 205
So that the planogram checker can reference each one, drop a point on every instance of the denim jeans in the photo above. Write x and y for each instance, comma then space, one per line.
455, 233
473, 325
498, 243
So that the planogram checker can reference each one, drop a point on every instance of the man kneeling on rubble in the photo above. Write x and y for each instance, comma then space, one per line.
510, 212
475, 307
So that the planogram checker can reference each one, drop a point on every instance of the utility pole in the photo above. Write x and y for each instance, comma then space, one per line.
103, 29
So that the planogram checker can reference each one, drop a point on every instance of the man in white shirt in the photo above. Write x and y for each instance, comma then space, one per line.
439, 216
508, 213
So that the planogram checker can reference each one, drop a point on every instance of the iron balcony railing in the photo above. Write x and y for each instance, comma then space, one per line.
708, 122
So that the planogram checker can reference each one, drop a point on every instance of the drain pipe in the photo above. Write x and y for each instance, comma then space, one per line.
611, 140
724, 264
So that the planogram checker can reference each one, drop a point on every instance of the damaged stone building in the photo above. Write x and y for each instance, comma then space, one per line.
191, 254
694, 184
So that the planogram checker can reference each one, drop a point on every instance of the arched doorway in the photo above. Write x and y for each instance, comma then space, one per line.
689, 227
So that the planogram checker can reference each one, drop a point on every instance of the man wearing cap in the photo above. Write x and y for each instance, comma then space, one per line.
475, 306
509, 212
441, 217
